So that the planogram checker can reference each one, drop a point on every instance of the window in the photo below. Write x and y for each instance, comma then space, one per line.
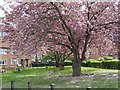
14, 61
3, 33
3, 51
2, 62
13, 53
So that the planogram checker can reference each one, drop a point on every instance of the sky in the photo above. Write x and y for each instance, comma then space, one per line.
2, 3
6, 6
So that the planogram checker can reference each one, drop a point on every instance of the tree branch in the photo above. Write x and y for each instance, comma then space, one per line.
97, 13
105, 24
67, 56
65, 45
64, 23
56, 32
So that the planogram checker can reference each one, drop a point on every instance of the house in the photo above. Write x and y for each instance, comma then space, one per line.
7, 58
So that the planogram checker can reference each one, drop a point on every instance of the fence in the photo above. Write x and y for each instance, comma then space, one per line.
52, 86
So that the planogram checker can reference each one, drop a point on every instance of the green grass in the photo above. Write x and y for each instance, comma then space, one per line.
42, 78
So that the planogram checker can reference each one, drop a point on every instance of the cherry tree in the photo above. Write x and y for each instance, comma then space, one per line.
118, 32
75, 26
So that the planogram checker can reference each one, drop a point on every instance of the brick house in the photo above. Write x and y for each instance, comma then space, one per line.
8, 59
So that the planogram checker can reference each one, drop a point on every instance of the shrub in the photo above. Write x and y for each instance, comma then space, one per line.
49, 63
100, 58
34, 64
68, 62
96, 64
108, 58
109, 64
84, 63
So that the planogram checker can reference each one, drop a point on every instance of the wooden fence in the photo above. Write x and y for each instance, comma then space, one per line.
52, 86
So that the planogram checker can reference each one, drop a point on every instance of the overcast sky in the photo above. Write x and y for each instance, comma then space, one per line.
2, 3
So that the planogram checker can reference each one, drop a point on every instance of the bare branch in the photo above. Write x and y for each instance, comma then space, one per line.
105, 24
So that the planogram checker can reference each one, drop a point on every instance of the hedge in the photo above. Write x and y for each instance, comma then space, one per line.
96, 64
34, 64
108, 58
68, 63
109, 64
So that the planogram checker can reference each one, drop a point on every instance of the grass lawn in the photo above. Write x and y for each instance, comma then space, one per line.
42, 78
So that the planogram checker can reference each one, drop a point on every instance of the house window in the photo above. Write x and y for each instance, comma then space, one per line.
14, 61
2, 62
13, 53
3, 51
3, 33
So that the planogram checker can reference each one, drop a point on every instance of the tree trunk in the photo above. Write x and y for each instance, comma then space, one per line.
85, 46
118, 55
56, 60
76, 64
62, 67
36, 60
62, 63
76, 68
62, 60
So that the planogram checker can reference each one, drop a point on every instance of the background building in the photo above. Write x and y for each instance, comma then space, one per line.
8, 59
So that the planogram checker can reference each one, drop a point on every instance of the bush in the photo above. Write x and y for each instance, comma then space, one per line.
34, 64
68, 62
84, 63
96, 64
49, 63
91, 63
109, 64
108, 58
100, 58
